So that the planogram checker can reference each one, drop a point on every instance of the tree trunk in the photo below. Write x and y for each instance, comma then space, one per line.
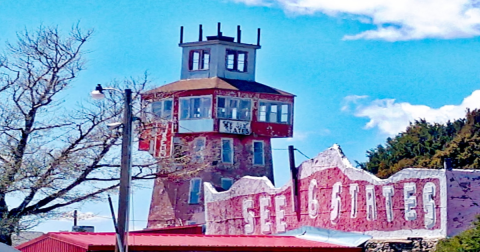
6, 237
6, 228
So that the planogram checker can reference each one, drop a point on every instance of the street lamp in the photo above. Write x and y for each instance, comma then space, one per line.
125, 168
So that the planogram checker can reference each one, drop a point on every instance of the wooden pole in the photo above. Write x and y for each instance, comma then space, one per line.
125, 173
294, 172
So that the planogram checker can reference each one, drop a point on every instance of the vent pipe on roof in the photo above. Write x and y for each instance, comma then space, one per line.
200, 33
75, 217
239, 34
181, 34
258, 36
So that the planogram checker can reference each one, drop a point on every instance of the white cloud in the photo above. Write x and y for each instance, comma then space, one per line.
392, 117
395, 19
350, 100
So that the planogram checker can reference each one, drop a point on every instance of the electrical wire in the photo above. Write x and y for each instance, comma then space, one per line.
296, 150
301, 153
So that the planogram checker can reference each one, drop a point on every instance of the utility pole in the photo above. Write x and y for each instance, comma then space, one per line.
125, 166
125, 174
294, 172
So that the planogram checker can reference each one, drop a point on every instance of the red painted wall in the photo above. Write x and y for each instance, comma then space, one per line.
254, 206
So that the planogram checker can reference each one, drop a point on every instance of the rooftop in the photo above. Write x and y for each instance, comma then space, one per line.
218, 83
161, 242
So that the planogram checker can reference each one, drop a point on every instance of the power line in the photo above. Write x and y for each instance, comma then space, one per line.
301, 153
296, 150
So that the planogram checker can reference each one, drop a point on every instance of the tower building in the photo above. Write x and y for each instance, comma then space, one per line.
213, 125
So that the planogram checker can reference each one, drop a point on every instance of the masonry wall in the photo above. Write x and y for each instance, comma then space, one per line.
463, 197
169, 205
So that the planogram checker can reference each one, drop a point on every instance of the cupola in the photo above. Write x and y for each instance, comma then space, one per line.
218, 56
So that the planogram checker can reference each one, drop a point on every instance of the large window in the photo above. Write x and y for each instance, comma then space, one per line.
162, 109
236, 60
195, 107
194, 192
234, 108
258, 153
227, 150
275, 112
199, 60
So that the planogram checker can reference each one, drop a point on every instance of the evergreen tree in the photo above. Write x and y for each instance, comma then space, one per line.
426, 145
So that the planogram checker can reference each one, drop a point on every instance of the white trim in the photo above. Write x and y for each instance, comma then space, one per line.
255, 185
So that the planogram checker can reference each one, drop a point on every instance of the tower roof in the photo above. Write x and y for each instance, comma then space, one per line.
218, 83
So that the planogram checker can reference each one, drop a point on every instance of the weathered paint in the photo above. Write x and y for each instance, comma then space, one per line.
235, 127
169, 204
274, 130
334, 195
183, 162
463, 187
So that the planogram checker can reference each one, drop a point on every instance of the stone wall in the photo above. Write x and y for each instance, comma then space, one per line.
407, 245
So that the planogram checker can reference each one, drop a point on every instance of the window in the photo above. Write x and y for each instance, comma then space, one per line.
195, 107
194, 192
284, 113
258, 153
162, 109
198, 147
227, 150
275, 112
226, 183
179, 150
199, 60
236, 60
234, 108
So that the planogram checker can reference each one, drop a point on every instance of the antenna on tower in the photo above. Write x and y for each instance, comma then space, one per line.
239, 34
181, 34
258, 36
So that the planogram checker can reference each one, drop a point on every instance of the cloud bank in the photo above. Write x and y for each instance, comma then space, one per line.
395, 20
392, 117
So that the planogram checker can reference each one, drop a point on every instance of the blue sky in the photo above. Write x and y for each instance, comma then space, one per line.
361, 70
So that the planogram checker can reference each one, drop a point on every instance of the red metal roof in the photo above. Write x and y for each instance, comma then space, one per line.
161, 242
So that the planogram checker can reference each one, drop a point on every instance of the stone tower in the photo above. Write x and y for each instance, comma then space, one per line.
213, 125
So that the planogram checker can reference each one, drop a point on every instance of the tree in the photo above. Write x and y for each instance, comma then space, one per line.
426, 145
51, 156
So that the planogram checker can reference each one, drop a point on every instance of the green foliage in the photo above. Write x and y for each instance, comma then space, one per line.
467, 241
426, 145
